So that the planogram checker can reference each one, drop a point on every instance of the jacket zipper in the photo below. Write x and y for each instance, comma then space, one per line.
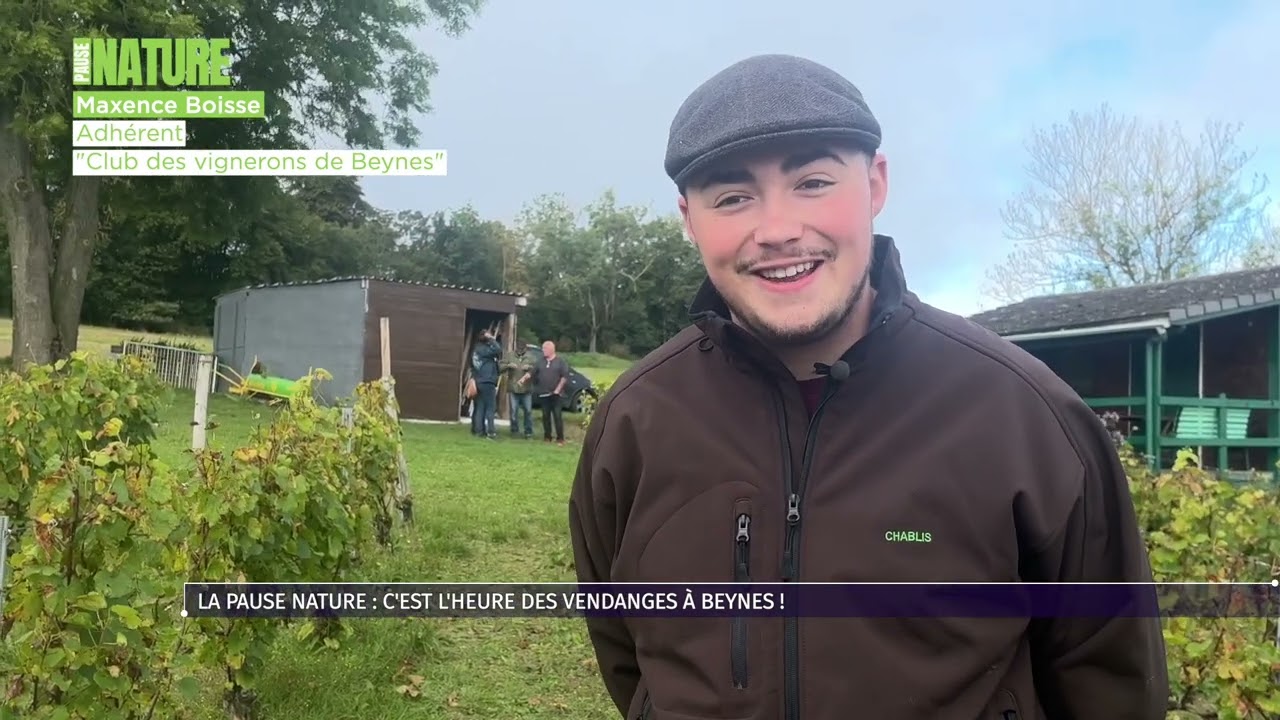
1011, 713
741, 573
791, 562
791, 546
790, 656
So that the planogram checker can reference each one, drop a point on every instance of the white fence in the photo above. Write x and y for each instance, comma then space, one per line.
178, 367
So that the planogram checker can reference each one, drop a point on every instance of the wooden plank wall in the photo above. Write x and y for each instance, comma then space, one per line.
428, 338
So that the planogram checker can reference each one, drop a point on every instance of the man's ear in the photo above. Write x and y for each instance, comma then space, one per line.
683, 204
878, 168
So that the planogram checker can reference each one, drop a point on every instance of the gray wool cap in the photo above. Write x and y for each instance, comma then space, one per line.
764, 99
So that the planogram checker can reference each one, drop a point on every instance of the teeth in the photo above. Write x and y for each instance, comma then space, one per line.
786, 272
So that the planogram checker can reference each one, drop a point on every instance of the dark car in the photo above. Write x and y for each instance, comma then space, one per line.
575, 393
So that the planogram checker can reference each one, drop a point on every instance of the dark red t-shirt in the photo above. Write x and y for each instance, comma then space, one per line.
812, 391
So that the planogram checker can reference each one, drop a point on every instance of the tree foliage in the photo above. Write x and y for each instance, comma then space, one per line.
1112, 201
1265, 250
325, 68
606, 277
152, 253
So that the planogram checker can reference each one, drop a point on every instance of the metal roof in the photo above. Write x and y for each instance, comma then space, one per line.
351, 278
1178, 301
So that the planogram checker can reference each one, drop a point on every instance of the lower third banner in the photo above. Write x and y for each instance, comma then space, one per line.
1029, 600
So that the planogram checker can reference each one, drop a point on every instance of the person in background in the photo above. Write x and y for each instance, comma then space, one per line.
549, 378
518, 365
469, 405
485, 361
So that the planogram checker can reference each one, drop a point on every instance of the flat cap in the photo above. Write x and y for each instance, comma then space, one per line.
764, 99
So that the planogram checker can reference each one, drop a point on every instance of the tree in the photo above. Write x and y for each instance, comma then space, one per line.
1264, 251
51, 218
612, 280
547, 229
1112, 201
670, 285
458, 248
323, 67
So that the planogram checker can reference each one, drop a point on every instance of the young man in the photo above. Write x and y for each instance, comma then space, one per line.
485, 360
549, 378
814, 412
518, 364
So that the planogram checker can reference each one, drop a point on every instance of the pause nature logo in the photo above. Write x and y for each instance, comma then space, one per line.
173, 62
143, 91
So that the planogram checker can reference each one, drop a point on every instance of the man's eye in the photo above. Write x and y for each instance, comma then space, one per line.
732, 199
814, 184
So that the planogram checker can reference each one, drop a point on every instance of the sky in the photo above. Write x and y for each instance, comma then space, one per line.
576, 97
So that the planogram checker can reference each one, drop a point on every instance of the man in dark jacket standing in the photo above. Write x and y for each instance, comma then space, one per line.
819, 423
485, 361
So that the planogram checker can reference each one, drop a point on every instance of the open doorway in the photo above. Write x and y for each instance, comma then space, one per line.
501, 325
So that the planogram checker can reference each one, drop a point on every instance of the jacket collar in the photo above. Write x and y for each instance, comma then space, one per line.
712, 315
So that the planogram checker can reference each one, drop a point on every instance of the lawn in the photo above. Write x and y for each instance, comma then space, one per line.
100, 339
485, 511
600, 368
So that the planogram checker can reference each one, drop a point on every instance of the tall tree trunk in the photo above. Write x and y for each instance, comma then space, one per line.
595, 324
75, 255
30, 248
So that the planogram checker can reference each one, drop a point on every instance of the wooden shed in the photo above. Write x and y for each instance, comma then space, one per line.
335, 324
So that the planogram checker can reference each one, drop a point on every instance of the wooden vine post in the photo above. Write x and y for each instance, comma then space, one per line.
404, 499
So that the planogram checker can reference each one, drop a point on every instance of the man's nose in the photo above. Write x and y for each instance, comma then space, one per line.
779, 223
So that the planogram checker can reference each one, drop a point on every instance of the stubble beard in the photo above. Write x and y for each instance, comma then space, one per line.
792, 337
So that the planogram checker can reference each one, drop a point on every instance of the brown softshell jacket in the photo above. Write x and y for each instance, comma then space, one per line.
702, 465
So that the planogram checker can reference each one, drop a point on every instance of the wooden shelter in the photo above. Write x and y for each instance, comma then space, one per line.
1188, 363
336, 324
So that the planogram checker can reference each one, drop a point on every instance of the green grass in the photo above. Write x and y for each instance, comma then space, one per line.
600, 368
100, 339
485, 511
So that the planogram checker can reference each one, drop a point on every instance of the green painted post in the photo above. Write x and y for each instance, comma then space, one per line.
1157, 387
1273, 376
1153, 422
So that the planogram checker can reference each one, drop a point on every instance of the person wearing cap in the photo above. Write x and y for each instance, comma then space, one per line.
817, 422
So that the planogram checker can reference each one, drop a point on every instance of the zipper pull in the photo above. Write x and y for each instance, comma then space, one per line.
793, 509
744, 525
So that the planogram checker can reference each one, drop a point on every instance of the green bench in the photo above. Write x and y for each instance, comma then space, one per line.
1200, 423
